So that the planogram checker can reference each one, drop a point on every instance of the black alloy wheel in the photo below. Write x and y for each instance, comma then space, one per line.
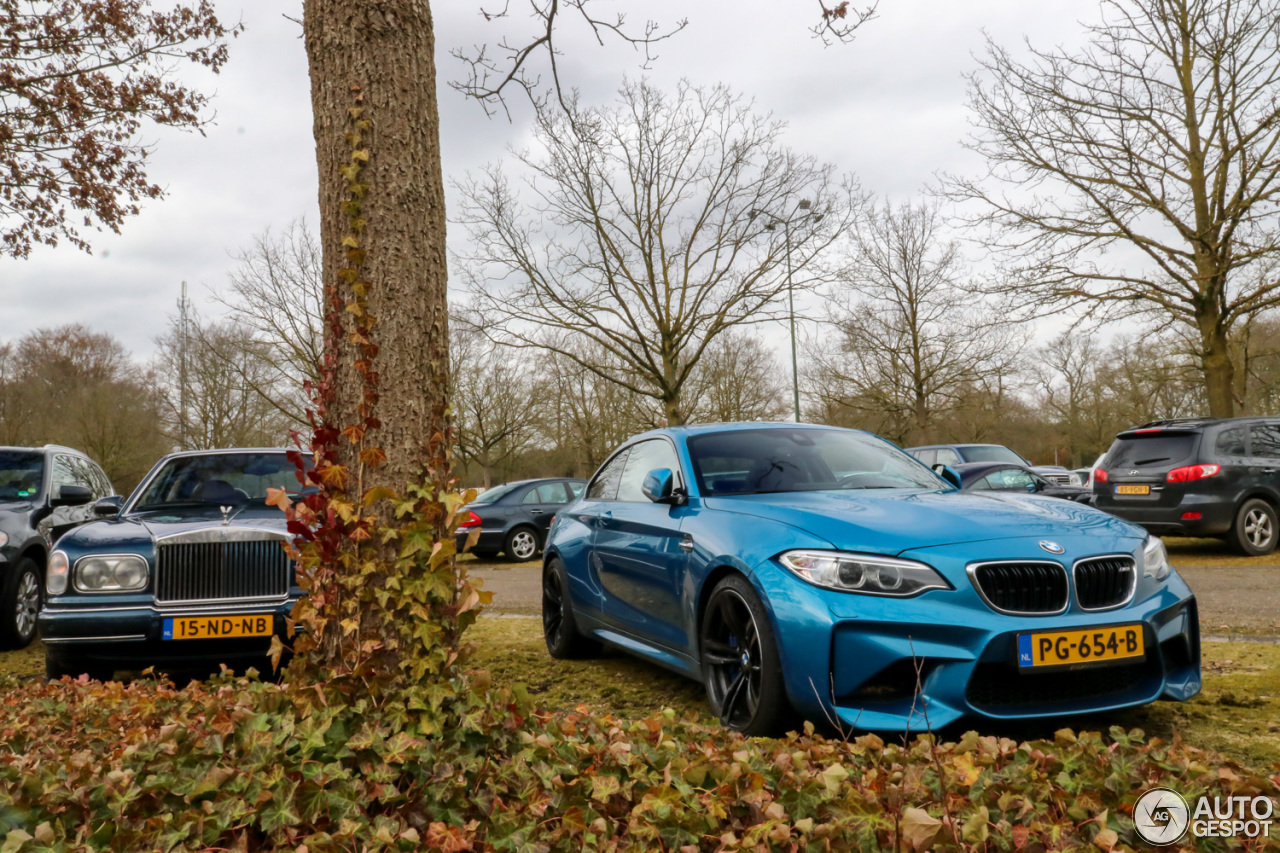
740, 664
1254, 532
22, 599
559, 628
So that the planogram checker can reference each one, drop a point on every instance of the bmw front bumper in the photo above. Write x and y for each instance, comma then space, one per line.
916, 664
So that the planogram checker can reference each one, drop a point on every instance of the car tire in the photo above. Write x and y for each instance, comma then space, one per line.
741, 668
22, 600
559, 627
521, 544
1256, 528
56, 668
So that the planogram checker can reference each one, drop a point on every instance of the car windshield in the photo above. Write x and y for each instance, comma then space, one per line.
1161, 450
21, 473
493, 494
221, 479
791, 460
991, 453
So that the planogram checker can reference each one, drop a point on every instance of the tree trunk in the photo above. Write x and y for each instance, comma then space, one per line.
671, 410
378, 56
1219, 372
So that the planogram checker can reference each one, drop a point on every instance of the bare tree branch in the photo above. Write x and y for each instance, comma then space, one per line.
489, 77
640, 232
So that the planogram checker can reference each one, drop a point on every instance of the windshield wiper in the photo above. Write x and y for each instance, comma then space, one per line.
1149, 461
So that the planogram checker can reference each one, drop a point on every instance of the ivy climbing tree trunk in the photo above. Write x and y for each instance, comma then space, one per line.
385, 607
386, 49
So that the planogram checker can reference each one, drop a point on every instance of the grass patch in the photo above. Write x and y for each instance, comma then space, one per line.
1212, 553
24, 663
1237, 714
513, 651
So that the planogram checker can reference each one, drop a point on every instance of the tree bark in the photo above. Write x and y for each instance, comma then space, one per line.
386, 49
382, 233
1219, 371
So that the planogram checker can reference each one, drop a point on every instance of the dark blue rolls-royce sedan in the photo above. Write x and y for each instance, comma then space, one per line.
190, 574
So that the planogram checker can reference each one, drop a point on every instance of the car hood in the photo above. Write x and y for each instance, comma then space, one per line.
139, 528
894, 521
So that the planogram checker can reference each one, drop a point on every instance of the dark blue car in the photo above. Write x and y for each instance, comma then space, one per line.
191, 573
514, 518
825, 571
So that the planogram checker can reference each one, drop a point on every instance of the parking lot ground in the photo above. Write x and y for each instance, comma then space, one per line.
1233, 599
1213, 553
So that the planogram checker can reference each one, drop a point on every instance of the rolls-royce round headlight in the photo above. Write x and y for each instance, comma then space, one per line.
863, 573
111, 574
55, 576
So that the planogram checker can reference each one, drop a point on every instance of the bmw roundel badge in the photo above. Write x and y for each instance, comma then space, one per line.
1051, 547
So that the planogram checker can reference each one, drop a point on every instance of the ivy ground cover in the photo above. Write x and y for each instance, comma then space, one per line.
235, 765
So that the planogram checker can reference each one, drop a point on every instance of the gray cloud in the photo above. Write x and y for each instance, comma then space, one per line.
889, 107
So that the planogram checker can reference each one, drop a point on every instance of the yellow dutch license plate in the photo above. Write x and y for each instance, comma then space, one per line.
1133, 490
1091, 645
218, 627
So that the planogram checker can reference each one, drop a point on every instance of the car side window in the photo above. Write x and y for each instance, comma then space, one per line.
1231, 442
554, 493
105, 489
1011, 479
64, 472
575, 489
981, 485
947, 456
928, 457
645, 457
85, 477
1264, 440
547, 493
605, 485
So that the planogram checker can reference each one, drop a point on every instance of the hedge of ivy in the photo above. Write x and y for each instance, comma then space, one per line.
233, 765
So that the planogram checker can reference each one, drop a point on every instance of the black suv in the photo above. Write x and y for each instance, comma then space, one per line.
1197, 477
44, 492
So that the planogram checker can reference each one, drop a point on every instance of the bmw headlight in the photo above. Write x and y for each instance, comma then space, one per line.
111, 574
1155, 559
55, 576
863, 573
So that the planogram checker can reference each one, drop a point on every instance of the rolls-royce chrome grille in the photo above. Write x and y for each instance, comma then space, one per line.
211, 571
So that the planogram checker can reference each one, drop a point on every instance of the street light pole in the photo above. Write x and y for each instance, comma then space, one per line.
791, 305
801, 213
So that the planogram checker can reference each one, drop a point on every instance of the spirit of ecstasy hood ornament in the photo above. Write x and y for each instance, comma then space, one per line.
226, 515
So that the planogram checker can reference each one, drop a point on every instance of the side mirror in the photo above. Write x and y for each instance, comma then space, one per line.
659, 486
70, 495
947, 473
108, 506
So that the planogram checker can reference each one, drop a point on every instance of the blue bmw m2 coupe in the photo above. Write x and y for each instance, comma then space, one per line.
823, 570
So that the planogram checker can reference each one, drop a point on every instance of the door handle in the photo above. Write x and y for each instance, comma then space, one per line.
1268, 470
535, 512
686, 544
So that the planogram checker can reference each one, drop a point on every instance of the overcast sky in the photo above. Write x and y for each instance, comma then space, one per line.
888, 107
